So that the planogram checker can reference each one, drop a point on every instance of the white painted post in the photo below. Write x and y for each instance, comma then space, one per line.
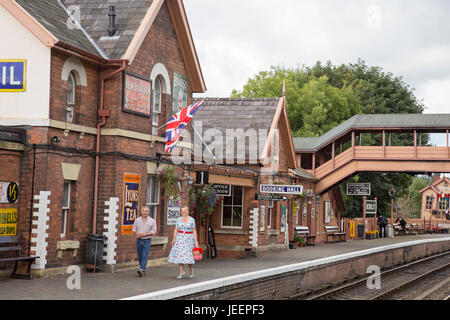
254, 227
40, 247
111, 230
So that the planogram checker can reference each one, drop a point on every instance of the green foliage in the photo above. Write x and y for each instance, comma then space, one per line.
169, 182
320, 97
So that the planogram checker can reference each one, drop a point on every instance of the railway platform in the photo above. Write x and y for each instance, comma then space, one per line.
214, 277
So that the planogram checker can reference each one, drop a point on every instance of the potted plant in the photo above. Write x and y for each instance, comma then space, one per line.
299, 239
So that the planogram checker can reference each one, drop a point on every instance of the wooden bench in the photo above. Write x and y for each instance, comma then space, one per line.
304, 232
22, 268
416, 228
333, 232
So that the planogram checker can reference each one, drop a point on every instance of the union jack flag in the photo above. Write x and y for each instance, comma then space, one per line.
177, 123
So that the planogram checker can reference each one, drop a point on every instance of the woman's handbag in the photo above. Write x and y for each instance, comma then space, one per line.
198, 254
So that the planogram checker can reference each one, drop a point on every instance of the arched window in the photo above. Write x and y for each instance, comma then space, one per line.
71, 87
156, 104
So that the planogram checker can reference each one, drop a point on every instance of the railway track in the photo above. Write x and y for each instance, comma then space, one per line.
427, 278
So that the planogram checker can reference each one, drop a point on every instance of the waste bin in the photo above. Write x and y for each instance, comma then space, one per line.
94, 251
360, 231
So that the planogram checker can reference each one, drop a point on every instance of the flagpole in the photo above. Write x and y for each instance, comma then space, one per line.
207, 148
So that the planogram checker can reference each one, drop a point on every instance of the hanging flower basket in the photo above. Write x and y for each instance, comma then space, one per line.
206, 199
169, 182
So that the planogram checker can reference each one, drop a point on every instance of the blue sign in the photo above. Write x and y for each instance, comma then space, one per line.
283, 189
12, 75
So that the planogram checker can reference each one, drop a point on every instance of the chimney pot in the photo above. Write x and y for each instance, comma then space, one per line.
112, 21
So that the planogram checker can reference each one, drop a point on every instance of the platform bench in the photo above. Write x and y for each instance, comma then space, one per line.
304, 232
333, 232
416, 228
22, 267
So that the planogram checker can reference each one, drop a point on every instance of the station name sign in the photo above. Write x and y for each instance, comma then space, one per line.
358, 189
12, 75
280, 189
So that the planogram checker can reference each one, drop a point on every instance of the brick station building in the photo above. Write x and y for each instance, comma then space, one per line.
86, 127
81, 137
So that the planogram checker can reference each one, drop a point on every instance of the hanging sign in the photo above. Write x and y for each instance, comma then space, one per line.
281, 189
8, 222
13, 75
222, 189
137, 92
371, 206
173, 210
130, 201
270, 197
358, 189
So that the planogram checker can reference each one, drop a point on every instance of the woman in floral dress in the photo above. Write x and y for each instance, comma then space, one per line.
183, 243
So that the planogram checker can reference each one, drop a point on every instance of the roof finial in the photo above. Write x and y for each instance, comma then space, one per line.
284, 87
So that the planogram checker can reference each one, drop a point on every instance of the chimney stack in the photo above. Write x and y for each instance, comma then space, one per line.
112, 21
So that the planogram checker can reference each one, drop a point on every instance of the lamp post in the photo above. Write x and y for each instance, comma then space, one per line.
391, 194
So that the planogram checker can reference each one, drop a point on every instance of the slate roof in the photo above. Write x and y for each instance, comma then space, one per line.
302, 173
95, 21
94, 18
52, 16
374, 121
237, 113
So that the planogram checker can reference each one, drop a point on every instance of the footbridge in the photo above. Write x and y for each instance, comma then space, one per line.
376, 143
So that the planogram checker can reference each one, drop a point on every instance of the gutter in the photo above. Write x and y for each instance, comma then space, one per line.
103, 113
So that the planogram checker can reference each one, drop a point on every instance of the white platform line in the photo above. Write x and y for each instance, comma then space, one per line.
231, 280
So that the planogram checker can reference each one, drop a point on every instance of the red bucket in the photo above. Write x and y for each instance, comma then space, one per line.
198, 254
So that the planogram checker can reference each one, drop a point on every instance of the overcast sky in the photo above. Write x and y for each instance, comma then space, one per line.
235, 39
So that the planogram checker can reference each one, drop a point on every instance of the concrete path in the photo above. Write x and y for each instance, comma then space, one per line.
126, 283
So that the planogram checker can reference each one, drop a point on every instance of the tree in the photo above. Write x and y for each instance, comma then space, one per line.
320, 97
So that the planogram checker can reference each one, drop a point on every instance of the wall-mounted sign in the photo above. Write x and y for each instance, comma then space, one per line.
371, 206
173, 211
9, 192
8, 222
270, 197
137, 92
131, 183
358, 189
283, 189
222, 189
13, 75
179, 95
202, 177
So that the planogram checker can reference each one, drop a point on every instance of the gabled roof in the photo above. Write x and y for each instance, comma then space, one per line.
433, 185
49, 21
266, 114
374, 121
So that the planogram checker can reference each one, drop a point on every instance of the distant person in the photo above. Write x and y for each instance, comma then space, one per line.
144, 227
402, 223
183, 243
382, 222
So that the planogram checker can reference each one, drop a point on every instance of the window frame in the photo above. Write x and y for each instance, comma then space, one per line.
328, 211
232, 206
148, 192
429, 202
157, 96
65, 209
71, 89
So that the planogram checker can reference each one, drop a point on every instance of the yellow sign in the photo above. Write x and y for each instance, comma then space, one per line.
352, 229
8, 222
